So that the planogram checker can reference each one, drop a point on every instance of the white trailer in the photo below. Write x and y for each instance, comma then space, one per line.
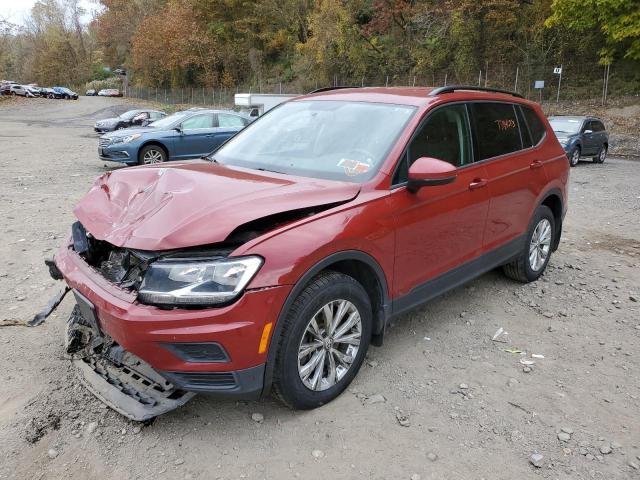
256, 104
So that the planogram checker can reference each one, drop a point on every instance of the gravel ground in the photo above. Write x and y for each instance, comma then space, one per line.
440, 400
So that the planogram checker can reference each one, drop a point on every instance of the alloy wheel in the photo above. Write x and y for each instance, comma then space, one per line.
540, 245
152, 156
602, 155
575, 157
329, 345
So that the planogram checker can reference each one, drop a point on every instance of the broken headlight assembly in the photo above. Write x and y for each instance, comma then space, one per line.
201, 282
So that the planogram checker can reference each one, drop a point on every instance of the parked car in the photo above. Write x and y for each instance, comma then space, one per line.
17, 89
109, 92
128, 119
91, 93
581, 137
5, 88
32, 91
274, 263
63, 92
183, 135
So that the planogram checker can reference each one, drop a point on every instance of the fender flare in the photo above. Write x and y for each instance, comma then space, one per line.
302, 283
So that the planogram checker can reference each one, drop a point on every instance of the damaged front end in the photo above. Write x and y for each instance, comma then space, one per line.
118, 378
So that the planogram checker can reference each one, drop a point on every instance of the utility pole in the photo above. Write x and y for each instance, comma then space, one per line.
559, 83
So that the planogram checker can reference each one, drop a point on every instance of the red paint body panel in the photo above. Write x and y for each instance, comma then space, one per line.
141, 329
189, 204
414, 237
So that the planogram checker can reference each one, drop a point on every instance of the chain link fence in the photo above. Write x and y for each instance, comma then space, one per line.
577, 81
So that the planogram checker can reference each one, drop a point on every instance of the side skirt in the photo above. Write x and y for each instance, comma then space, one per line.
458, 276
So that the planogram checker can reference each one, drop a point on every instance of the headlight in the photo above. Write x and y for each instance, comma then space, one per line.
197, 282
131, 138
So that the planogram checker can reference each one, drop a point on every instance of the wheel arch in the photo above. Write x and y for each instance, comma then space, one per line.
355, 263
553, 200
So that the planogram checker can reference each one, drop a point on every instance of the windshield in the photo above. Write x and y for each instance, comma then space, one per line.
168, 121
129, 115
334, 140
565, 125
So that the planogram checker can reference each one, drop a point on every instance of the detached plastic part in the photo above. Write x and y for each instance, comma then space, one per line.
120, 379
126, 392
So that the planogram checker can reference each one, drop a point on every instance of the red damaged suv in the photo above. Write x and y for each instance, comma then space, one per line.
272, 264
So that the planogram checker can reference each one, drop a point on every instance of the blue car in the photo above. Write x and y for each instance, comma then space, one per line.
181, 136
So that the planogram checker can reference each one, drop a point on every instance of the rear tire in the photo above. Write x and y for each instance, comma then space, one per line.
602, 155
315, 361
574, 156
539, 241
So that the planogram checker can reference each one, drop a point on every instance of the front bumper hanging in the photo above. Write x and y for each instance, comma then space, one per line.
118, 378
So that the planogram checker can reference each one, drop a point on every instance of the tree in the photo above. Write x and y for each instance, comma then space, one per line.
618, 20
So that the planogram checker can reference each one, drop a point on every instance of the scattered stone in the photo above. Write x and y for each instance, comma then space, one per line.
588, 456
373, 399
634, 465
536, 460
432, 456
464, 386
633, 298
512, 382
257, 417
564, 437
372, 363
52, 453
179, 461
403, 419
568, 430
526, 369
136, 430
583, 451
317, 454
605, 449
415, 476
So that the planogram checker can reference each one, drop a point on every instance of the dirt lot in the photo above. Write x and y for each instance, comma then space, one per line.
440, 400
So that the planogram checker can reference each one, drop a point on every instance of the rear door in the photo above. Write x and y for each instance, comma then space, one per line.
197, 134
514, 167
228, 126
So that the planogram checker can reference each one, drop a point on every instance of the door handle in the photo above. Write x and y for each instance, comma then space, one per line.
210, 135
478, 183
535, 164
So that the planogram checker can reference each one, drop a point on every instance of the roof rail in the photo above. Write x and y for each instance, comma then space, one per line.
453, 88
327, 89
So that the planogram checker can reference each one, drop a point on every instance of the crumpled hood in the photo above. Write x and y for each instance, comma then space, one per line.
194, 203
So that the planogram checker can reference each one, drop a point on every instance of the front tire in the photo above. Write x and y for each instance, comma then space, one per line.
574, 156
540, 238
152, 154
602, 155
325, 336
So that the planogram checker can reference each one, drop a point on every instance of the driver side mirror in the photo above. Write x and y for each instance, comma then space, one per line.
588, 131
178, 129
429, 172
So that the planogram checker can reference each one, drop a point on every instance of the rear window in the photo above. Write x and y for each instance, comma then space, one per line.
536, 127
497, 131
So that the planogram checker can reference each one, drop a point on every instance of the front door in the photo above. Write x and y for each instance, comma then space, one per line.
439, 227
197, 134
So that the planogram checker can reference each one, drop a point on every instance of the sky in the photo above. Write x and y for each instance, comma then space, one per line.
15, 11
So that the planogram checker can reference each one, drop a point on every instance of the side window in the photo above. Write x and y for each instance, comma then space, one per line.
225, 120
198, 121
497, 129
156, 115
444, 135
587, 126
597, 126
536, 127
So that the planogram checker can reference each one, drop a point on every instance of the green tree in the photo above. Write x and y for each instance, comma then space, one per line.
618, 20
